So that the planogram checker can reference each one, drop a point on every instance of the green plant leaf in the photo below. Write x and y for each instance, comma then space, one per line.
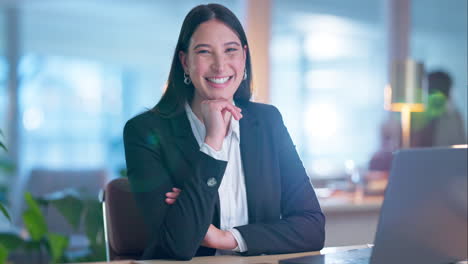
93, 221
34, 245
3, 254
5, 212
1, 143
95, 229
69, 204
98, 253
11, 241
3, 146
34, 219
57, 246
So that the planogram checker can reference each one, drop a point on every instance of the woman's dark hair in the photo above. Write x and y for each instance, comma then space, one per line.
177, 92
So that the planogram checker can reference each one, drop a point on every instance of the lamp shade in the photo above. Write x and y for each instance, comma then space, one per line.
407, 89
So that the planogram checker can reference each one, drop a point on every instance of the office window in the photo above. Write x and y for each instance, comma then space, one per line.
71, 111
327, 78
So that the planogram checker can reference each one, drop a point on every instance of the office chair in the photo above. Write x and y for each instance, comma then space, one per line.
126, 234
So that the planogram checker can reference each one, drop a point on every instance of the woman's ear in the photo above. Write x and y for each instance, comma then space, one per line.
183, 60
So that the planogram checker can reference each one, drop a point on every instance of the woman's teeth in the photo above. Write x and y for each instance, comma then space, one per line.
218, 80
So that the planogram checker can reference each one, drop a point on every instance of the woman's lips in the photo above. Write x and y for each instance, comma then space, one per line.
219, 82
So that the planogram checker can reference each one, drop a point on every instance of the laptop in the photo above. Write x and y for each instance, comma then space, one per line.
423, 218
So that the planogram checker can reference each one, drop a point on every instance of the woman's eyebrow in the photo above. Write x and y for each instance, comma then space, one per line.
232, 43
208, 46
201, 46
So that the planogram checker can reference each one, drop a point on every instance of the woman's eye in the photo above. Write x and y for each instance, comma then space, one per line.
203, 52
231, 49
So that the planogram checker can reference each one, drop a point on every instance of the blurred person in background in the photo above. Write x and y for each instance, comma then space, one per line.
441, 124
213, 172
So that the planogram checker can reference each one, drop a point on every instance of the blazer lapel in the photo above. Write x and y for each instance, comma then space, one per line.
184, 138
249, 140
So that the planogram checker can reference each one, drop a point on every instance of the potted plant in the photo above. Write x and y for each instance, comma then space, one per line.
47, 247
39, 240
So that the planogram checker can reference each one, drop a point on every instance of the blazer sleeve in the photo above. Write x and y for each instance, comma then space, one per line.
178, 229
301, 226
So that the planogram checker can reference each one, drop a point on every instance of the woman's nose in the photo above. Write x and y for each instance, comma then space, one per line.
218, 64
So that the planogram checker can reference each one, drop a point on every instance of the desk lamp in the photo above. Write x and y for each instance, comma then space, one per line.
406, 93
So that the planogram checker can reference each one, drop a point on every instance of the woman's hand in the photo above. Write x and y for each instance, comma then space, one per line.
171, 197
219, 239
216, 116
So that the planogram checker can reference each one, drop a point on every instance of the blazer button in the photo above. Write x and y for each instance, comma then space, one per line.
211, 182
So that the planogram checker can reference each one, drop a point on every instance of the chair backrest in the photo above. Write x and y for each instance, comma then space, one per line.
127, 234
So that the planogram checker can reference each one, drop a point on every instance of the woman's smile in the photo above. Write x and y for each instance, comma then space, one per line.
219, 82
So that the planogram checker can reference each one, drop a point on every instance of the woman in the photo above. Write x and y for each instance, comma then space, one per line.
213, 172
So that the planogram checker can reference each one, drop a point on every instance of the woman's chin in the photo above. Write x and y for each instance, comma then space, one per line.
219, 97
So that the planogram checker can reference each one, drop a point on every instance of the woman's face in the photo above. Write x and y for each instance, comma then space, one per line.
215, 61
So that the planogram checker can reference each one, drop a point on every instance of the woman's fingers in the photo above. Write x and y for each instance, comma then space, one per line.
226, 106
223, 105
171, 197
236, 112
170, 201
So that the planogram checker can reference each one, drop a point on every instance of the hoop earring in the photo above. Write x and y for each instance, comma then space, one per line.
187, 80
245, 74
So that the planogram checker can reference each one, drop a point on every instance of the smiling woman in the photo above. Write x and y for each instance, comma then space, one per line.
198, 183
215, 62
192, 57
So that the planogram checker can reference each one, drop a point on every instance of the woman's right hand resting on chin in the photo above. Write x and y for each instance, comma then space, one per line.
216, 115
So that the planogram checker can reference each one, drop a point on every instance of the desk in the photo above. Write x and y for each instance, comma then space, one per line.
267, 259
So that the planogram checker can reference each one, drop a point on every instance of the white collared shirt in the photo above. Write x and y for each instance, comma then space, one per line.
232, 192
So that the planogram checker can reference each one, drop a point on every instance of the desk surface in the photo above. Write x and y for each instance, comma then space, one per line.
267, 259
344, 202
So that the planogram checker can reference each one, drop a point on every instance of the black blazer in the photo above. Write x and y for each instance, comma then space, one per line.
161, 153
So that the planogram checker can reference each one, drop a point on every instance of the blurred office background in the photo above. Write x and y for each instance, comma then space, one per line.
73, 72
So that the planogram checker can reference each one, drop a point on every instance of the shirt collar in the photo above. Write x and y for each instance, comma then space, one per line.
234, 127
